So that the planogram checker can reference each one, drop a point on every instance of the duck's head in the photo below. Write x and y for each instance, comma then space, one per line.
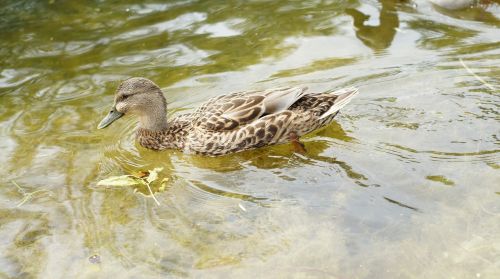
141, 97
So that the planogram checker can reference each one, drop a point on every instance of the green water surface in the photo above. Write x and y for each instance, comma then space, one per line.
404, 184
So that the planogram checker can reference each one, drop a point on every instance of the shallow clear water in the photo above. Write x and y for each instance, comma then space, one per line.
404, 184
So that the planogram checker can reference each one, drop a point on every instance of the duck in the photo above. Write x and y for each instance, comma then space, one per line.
227, 123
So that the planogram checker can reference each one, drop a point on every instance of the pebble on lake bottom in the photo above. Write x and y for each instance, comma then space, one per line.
95, 259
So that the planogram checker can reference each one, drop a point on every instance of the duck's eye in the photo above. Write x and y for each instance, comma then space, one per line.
124, 97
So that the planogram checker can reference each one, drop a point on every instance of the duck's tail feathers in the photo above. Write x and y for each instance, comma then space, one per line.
344, 96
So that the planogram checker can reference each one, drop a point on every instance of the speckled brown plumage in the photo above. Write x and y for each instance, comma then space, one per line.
229, 123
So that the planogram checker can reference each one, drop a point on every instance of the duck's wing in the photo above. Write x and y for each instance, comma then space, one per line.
236, 109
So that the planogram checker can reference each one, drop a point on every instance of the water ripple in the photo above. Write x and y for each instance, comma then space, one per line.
182, 22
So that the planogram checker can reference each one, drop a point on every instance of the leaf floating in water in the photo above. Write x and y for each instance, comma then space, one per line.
142, 174
122, 180
145, 178
153, 175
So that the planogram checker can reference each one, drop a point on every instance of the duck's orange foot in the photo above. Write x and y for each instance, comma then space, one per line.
297, 146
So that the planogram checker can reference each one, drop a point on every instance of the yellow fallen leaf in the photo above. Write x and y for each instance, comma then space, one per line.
153, 174
122, 180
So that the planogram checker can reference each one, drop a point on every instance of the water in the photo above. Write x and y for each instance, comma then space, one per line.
405, 183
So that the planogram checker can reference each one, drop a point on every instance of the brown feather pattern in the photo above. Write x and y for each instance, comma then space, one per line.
238, 121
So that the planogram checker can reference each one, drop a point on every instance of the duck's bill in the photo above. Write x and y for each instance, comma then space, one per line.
110, 118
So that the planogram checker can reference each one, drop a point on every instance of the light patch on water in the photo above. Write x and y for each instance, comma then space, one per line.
147, 8
174, 55
58, 48
183, 22
221, 29
13, 78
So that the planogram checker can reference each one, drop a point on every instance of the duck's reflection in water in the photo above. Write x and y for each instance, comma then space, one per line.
377, 37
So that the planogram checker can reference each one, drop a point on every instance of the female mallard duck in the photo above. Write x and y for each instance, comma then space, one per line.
228, 123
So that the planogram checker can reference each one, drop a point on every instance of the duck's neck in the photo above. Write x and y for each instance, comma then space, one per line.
154, 119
